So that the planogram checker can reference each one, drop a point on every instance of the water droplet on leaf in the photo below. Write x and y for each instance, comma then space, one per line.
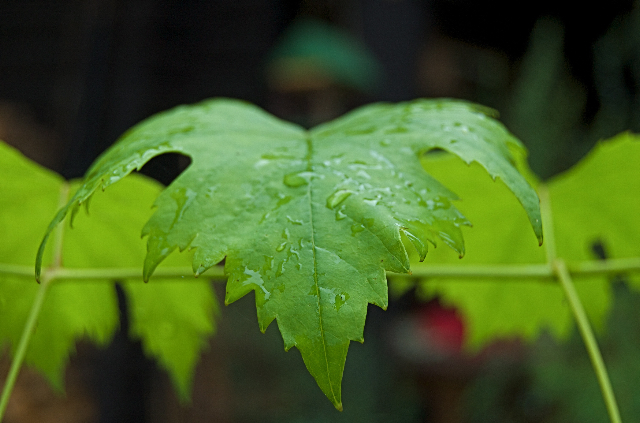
356, 229
294, 221
295, 180
340, 300
338, 197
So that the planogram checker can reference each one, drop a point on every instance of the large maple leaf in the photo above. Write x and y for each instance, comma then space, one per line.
309, 220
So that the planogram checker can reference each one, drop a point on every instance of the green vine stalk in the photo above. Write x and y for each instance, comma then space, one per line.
564, 278
556, 271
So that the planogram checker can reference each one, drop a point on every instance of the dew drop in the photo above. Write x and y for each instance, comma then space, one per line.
211, 191
183, 198
260, 163
268, 264
340, 214
293, 252
281, 247
355, 229
295, 180
371, 201
338, 197
283, 199
255, 280
340, 300
361, 173
294, 221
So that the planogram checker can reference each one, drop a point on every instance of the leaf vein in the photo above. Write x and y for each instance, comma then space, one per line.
315, 265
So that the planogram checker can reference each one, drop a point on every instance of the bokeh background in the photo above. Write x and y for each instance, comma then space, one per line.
74, 75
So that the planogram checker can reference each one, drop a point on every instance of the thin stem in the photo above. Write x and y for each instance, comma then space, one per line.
497, 271
609, 266
36, 308
580, 316
16, 270
516, 271
589, 339
133, 273
21, 351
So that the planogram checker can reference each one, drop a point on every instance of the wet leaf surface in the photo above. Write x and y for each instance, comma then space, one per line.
310, 221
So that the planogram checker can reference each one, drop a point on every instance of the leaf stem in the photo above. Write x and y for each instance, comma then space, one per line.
564, 277
23, 344
508, 271
517, 271
589, 339
134, 273
36, 308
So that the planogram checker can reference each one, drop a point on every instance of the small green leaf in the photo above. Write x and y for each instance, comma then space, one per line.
594, 202
173, 322
308, 220
492, 307
29, 195
77, 308
598, 200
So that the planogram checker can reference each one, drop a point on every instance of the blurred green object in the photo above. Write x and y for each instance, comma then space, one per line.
546, 105
616, 70
314, 55
556, 383
172, 317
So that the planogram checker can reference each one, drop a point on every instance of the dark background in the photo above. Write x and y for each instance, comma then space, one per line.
88, 70
74, 75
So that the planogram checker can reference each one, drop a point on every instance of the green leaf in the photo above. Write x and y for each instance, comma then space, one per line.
492, 307
173, 324
596, 201
77, 307
309, 220
28, 195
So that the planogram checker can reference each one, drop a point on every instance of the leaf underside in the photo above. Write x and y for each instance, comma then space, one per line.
309, 220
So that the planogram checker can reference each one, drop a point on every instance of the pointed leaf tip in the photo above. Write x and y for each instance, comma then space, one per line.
38, 267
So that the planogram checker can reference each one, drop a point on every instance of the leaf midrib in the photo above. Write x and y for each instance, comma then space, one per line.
309, 160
